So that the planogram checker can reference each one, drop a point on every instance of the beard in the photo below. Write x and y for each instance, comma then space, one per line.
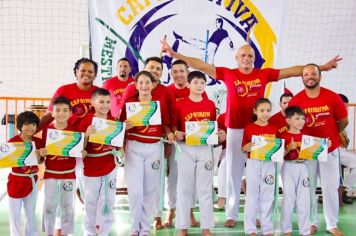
313, 86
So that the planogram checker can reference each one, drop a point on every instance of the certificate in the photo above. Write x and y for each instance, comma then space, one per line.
267, 148
108, 132
144, 113
201, 132
64, 143
314, 148
18, 154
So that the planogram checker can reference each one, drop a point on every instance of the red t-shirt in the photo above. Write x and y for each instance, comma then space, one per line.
151, 130
292, 154
97, 166
116, 88
279, 121
179, 94
21, 186
254, 129
221, 125
321, 114
242, 92
79, 99
58, 163
188, 110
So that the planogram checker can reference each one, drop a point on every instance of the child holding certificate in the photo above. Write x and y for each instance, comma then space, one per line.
99, 171
260, 175
22, 181
59, 175
295, 175
144, 152
195, 164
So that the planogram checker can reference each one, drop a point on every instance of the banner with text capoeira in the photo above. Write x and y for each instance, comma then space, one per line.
211, 30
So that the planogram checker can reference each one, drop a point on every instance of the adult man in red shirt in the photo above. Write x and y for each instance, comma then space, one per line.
279, 119
325, 117
117, 84
245, 85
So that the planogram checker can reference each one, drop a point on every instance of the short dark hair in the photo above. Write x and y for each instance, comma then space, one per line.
196, 74
100, 92
82, 61
343, 98
146, 73
313, 64
285, 95
26, 117
293, 110
61, 100
124, 59
179, 62
156, 59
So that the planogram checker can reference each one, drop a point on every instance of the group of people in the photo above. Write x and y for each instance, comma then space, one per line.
157, 159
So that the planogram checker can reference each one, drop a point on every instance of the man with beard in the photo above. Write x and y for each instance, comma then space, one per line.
117, 84
326, 117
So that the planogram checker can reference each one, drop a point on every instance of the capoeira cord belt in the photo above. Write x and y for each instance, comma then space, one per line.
116, 154
33, 196
178, 150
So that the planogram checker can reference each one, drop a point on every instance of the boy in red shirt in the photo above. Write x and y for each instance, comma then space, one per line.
99, 171
195, 167
59, 175
295, 176
22, 181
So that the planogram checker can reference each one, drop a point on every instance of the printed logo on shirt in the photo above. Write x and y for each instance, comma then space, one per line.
68, 186
156, 164
112, 184
306, 182
269, 179
209, 165
249, 88
316, 116
4, 148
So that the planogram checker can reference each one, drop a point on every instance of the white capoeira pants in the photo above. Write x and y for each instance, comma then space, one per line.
59, 201
235, 164
260, 183
171, 182
195, 174
348, 159
29, 204
222, 175
142, 173
329, 174
96, 188
296, 193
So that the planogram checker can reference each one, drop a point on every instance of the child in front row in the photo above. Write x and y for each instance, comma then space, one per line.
59, 176
22, 181
99, 171
295, 176
260, 175
195, 164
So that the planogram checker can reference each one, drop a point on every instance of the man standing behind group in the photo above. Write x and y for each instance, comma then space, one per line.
325, 117
117, 84
279, 119
245, 85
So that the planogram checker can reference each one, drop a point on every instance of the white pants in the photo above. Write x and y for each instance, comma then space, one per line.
329, 174
59, 199
142, 172
296, 193
195, 174
171, 182
95, 189
29, 204
222, 175
260, 183
235, 164
348, 159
